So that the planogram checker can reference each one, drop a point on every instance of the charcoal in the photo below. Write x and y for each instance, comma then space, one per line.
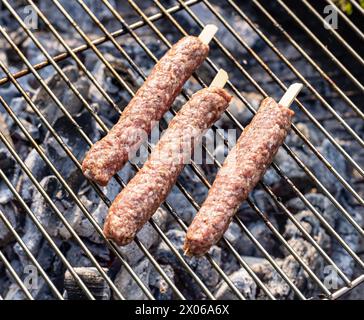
77, 257
10, 212
72, 104
243, 244
308, 131
291, 169
14, 293
46, 214
296, 272
185, 209
19, 107
98, 210
32, 239
241, 26
321, 203
8, 92
195, 188
113, 87
39, 170
32, 129
337, 160
160, 288
289, 265
93, 280
35, 284
77, 13
46, 257
262, 200
5, 193
242, 281
127, 285
72, 139
344, 228
200, 265
331, 214
84, 227
309, 222
4, 128
241, 111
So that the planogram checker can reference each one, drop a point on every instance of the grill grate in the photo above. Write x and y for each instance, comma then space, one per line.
149, 22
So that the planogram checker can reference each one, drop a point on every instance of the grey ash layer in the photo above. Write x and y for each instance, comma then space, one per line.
148, 236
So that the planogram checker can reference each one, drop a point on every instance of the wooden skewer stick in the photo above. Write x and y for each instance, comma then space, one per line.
220, 79
208, 33
290, 94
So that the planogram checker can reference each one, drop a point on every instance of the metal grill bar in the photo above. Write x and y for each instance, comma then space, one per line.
340, 39
320, 44
141, 73
30, 256
275, 78
15, 276
98, 41
235, 254
347, 20
159, 269
339, 293
45, 234
59, 214
168, 44
295, 158
149, 21
139, 11
109, 66
357, 6
322, 219
297, 191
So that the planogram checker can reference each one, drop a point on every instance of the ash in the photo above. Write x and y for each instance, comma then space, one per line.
151, 240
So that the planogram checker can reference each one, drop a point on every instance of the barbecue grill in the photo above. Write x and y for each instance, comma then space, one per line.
267, 22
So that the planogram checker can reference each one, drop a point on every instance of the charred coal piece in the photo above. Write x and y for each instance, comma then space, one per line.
93, 281
200, 265
242, 281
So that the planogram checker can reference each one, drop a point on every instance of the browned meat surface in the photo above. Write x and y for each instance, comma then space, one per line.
152, 100
138, 201
243, 168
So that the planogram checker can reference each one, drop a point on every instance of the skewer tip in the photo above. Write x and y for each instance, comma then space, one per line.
290, 94
208, 33
220, 79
